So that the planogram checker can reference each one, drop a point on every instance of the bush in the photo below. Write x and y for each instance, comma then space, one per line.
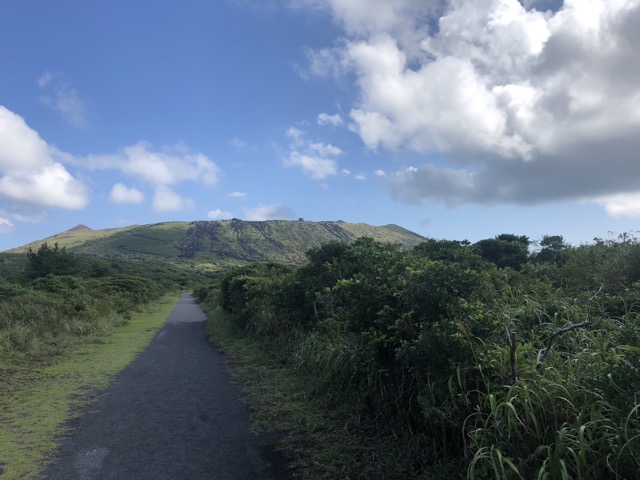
463, 358
44, 312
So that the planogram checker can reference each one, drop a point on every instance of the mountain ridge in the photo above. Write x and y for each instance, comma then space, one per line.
220, 243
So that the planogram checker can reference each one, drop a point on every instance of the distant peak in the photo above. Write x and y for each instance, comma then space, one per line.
78, 228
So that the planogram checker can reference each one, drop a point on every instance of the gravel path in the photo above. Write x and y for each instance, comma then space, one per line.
171, 414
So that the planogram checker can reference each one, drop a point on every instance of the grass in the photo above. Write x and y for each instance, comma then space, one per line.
297, 432
39, 397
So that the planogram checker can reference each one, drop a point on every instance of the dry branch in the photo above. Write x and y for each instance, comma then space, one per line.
542, 354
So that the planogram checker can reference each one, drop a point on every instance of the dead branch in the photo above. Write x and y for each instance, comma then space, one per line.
512, 339
542, 354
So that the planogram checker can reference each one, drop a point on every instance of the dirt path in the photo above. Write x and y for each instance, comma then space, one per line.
171, 414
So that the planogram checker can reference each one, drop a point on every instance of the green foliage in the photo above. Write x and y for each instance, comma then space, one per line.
553, 249
246, 290
51, 295
506, 250
50, 261
438, 351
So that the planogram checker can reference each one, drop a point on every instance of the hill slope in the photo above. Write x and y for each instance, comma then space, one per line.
72, 237
221, 243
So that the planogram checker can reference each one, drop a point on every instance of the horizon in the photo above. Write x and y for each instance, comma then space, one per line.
454, 120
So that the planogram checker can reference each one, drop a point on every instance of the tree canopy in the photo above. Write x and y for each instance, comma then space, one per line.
50, 261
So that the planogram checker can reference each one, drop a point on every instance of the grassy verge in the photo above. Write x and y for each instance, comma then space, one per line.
38, 397
306, 440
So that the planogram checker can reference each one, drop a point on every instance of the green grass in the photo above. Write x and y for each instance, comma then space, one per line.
310, 441
39, 397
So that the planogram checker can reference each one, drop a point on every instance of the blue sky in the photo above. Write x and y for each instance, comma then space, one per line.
455, 119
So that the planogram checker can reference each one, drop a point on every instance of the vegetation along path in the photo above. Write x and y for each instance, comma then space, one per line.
171, 414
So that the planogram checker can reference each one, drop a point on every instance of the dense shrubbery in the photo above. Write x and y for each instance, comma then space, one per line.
51, 295
439, 351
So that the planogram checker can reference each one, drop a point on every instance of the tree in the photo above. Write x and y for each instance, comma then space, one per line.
50, 261
506, 250
553, 250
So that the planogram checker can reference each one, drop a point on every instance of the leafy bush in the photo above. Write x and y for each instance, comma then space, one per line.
44, 309
483, 359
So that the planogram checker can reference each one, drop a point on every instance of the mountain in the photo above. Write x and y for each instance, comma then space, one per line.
72, 238
221, 243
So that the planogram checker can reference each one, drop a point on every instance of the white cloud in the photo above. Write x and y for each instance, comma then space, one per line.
168, 166
49, 186
326, 62
268, 212
519, 104
325, 149
237, 195
218, 214
295, 134
60, 96
31, 175
121, 194
314, 158
380, 173
621, 205
443, 107
166, 200
326, 119
314, 166
5, 225
360, 176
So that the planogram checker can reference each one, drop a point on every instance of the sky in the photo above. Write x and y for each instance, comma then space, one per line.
456, 119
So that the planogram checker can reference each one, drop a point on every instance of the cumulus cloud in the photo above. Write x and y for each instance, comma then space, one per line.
326, 119
166, 200
314, 166
167, 166
61, 97
519, 102
218, 214
121, 194
237, 195
316, 159
621, 205
268, 212
31, 174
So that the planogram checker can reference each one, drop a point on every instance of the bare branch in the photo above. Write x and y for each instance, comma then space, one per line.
513, 344
542, 354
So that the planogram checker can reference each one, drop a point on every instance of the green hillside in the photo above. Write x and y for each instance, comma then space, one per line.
221, 243
72, 238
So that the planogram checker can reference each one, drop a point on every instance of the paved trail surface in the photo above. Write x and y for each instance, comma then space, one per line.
171, 414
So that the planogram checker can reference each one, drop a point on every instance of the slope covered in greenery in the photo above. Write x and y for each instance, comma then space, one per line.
221, 243
71, 238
